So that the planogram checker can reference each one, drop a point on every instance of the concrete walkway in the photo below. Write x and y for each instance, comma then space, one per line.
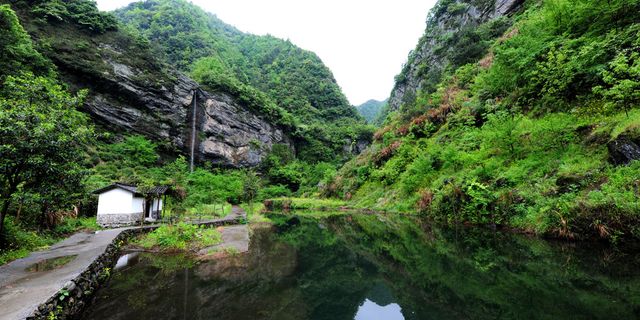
22, 291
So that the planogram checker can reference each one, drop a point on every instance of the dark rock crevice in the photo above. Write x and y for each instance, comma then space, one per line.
623, 150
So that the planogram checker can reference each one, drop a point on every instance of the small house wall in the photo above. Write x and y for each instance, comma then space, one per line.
116, 201
119, 207
137, 205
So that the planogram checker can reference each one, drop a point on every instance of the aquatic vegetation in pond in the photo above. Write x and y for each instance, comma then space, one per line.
350, 267
50, 264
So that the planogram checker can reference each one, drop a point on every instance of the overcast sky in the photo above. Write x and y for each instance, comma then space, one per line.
364, 42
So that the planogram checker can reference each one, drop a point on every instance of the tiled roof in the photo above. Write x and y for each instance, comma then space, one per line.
158, 190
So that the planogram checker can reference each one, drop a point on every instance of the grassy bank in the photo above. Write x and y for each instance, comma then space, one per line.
23, 241
278, 204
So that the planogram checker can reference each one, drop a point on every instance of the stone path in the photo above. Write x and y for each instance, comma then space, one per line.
22, 291
236, 237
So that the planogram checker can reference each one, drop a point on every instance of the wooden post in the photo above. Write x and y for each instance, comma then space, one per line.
158, 206
164, 204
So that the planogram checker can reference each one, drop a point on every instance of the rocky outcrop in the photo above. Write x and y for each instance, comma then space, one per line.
233, 136
447, 24
227, 134
623, 150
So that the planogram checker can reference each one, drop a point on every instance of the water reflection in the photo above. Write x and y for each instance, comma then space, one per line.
379, 305
370, 310
126, 260
379, 267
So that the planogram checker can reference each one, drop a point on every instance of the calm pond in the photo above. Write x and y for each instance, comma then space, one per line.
379, 267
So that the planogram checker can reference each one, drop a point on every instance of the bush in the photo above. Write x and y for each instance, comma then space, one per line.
273, 192
181, 236
71, 225
21, 242
303, 204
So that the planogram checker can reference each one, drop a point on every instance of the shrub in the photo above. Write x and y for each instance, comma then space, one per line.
21, 242
181, 236
273, 192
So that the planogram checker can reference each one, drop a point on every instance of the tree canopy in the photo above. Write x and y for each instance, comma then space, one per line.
41, 142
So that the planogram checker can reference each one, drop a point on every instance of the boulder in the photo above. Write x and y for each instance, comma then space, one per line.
623, 150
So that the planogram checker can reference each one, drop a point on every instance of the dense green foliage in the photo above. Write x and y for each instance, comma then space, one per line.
279, 204
371, 110
285, 84
83, 13
16, 49
134, 160
41, 136
520, 138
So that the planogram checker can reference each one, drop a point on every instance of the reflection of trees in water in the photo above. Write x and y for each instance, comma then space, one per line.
478, 273
304, 270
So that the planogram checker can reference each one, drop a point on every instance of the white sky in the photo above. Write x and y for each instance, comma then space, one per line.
363, 42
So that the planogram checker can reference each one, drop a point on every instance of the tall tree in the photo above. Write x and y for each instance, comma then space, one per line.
251, 185
41, 138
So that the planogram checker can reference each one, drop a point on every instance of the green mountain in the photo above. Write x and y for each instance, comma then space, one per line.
221, 57
371, 110
522, 114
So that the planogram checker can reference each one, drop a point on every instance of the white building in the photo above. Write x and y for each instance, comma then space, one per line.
122, 204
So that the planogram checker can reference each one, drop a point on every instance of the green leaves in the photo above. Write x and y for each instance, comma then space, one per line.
622, 80
16, 50
42, 138
81, 12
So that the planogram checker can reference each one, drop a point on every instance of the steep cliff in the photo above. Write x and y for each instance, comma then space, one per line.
457, 33
276, 71
130, 91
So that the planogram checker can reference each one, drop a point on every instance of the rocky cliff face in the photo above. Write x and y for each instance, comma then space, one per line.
131, 91
226, 133
449, 23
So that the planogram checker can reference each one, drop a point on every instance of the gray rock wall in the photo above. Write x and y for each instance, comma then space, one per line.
227, 134
157, 103
118, 220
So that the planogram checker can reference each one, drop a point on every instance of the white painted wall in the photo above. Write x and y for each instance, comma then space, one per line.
137, 205
116, 201
157, 205
119, 201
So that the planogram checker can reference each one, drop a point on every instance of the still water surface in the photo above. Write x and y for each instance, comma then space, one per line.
378, 267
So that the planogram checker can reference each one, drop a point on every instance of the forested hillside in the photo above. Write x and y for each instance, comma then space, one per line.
221, 57
372, 110
525, 118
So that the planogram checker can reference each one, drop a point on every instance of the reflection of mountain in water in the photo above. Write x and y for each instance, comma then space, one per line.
379, 305
370, 310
